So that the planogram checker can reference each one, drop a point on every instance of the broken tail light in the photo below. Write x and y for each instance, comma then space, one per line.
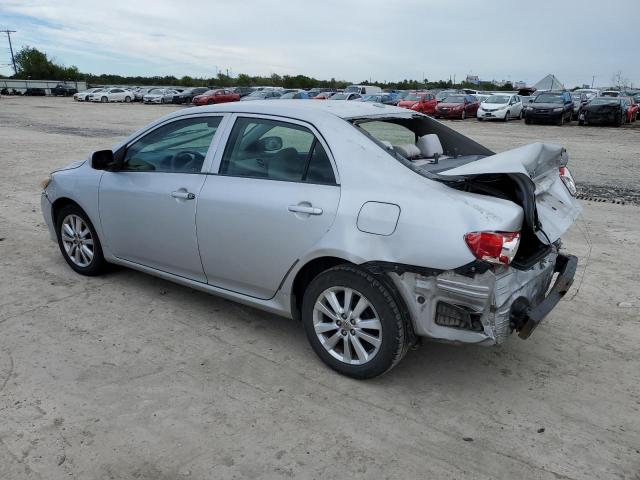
493, 247
568, 180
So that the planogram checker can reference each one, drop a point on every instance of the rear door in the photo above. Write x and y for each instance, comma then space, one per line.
275, 196
148, 208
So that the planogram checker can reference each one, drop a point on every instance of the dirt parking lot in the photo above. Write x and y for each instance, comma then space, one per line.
127, 376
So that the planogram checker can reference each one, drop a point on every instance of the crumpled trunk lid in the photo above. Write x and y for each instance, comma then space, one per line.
532, 171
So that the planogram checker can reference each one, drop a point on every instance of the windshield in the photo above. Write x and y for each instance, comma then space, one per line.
548, 98
258, 94
413, 97
453, 99
155, 91
372, 98
576, 96
339, 96
443, 94
352, 88
604, 101
498, 99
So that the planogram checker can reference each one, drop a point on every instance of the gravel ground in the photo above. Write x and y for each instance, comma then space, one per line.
128, 376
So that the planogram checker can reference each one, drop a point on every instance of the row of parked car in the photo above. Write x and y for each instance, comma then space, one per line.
587, 106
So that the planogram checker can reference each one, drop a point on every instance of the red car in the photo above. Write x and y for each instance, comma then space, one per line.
632, 109
216, 96
420, 102
323, 96
457, 106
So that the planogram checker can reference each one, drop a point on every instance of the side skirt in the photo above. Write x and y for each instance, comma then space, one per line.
278, 305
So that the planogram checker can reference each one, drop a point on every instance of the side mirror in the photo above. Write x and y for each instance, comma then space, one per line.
271, 144
104, 160
531, 100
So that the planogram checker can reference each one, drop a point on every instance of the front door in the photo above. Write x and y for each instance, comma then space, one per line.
148, 209
275, 196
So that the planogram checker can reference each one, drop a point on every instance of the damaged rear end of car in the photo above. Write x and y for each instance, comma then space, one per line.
520, 272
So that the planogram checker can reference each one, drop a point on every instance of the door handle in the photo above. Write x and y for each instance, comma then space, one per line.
305, 209
183, 195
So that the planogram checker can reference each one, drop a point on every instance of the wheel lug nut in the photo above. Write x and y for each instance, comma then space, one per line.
343, 332
338, 322
353, 332
344, 315
352, 321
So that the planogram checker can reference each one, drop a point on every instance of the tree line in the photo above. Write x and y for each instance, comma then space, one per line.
35, 64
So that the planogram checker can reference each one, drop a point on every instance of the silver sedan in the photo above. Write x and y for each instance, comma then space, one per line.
373, 225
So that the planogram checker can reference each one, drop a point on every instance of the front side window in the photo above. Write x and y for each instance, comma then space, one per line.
275, 150
178, 147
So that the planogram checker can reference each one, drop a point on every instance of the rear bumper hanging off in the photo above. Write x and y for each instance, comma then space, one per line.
525, 318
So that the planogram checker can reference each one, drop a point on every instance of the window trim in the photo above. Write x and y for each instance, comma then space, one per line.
208, 159
224, 139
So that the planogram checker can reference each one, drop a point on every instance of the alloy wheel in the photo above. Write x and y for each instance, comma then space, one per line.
347, 325
77, 240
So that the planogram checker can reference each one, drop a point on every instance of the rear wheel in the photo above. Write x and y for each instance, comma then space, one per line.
78, 241
104, 99
354, 322
127, 99
527, 121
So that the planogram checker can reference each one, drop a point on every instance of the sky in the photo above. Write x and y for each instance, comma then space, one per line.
345, 39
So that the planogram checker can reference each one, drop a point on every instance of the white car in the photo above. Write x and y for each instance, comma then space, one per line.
159, 95
501, 106
84, 96
114, 94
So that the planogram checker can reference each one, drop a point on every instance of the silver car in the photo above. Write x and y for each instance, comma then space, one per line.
159, 95
373, 225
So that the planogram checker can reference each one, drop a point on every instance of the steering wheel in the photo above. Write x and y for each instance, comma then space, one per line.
187, 161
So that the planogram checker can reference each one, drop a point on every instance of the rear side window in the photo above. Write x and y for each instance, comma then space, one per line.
275, 150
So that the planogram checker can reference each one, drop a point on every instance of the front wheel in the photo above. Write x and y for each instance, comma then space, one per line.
527, 121
354, 322
463, 115
127, 99
104, 99
561, 121
78, 241
506, 116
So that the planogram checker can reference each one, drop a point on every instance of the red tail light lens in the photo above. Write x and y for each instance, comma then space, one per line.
568, 181
494, 247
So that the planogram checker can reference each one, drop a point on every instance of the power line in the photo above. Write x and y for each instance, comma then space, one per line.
13, 60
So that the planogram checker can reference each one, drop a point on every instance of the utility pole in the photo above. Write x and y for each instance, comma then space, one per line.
593, 79
13, 60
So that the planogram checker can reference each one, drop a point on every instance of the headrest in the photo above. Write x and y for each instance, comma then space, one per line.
408, 150
429, 145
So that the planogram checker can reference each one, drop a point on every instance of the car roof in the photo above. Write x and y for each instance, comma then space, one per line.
306, 111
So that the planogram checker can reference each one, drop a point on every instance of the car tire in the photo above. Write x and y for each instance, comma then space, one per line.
506, 116
521, 115
527, 121
463, 115
127, 99
581, 123
371, 350
620, 121
561, 121
78, 241
480, 119
104, 99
